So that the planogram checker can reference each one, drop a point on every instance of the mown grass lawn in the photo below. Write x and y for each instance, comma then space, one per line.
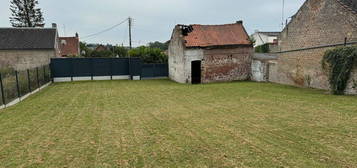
159, 123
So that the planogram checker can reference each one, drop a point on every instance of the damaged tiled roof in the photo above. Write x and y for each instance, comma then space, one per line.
69, 46
27, 38
217, 35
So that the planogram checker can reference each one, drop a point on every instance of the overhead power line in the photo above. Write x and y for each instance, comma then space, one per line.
108, 29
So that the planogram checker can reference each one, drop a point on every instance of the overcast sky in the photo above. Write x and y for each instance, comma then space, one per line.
154, 19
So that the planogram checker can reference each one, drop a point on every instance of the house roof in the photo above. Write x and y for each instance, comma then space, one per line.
69, 45
270, 33
216, 35
27, 38
351, 4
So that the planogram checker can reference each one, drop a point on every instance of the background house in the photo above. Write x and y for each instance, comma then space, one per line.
210, 53
24, 48
265, 38
69, 46
101, 48
319, 25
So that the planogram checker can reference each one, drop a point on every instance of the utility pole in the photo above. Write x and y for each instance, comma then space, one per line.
130, 25
282, 15
130, 47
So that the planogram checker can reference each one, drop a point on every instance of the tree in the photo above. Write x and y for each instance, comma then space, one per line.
157, 44
120, 51
262, 48
101, 54
149, 55
25, 14
84, 49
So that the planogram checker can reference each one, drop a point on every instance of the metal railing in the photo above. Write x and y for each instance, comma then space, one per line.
17, 84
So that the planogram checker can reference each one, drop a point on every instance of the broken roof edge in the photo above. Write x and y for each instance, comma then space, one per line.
238, 22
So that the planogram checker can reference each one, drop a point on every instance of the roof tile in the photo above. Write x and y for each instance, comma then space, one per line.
217, 35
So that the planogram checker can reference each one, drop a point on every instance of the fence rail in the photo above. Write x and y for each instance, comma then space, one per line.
16, 84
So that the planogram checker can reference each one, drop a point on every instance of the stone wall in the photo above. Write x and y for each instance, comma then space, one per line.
304, 69
318, 23
260, 70
176, 57
25, 59
228, 64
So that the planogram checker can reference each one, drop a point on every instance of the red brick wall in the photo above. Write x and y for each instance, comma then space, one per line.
221, 65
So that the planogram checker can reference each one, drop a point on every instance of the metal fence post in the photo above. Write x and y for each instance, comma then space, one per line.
111, 68
38, 81
72, 70
91, 69
44, 74
2, 90
29, 80
17, 85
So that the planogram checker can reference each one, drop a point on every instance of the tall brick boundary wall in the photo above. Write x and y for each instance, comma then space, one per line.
319, 25
304, 69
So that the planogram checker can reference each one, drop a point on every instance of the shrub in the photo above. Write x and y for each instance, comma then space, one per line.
149, 55
339, 63
262, 48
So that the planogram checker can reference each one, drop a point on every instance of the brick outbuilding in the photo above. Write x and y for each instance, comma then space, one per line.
210, 53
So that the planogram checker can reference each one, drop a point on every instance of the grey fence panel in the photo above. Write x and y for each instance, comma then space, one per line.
80, 67
135, 66
147, 70
161, 70
86, 67
61, 67
154, 70
102, 67
120, 66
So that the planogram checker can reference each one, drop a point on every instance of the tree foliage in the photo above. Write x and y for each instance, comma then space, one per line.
262, 48
157, 44
26, 14
149, 55
339, 63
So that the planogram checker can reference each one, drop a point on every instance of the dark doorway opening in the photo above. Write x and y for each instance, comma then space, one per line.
196, 72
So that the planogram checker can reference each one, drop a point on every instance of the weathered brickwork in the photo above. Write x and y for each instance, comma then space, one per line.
317, 23
226, 64
218, 63
25, 59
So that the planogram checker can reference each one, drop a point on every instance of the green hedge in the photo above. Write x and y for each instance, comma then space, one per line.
262, 48
338, 63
